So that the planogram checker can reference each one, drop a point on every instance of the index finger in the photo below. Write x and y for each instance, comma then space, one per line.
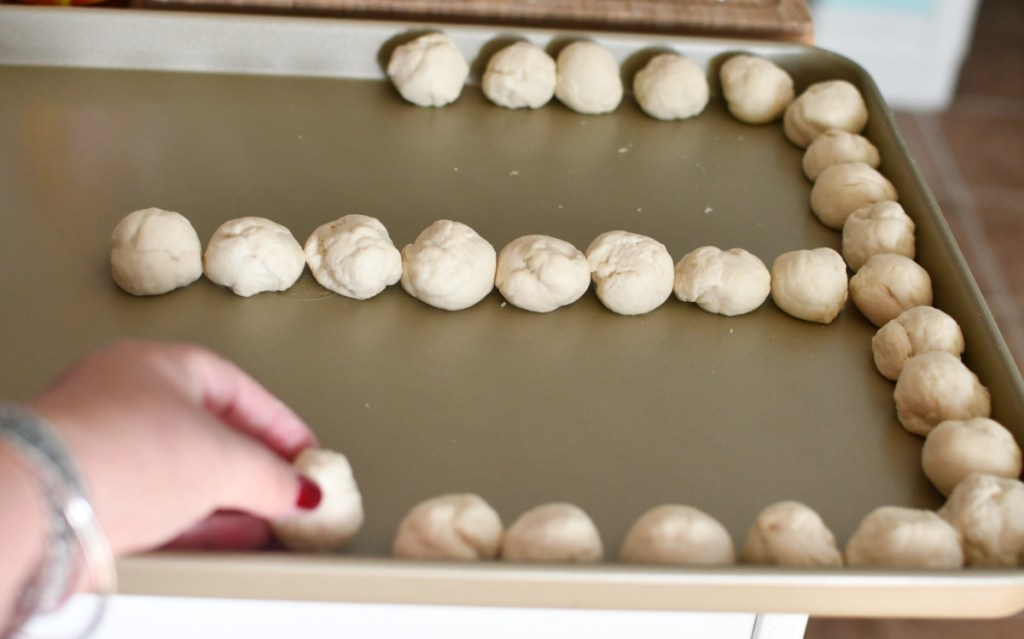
241, 402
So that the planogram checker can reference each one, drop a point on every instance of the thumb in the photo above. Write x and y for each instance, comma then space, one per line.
258, 481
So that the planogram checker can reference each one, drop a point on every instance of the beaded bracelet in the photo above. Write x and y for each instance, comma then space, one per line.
75, 541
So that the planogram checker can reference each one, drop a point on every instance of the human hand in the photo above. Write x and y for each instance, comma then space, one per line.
175, 443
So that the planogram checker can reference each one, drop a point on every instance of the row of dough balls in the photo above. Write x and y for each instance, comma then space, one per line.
451, 267
982, 524
430, 71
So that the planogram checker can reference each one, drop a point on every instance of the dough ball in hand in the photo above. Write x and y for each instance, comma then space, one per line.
553, 533
155, 251
730, 282
353, 256
676, 534
882, 227
904, 538
253, 254
841, 189
520, 75
837, 146
788, 533
449, 266
935, 387
756, 90
989, 514
588, 78
540, 273
887, 285
956, 448
832, 104
460, 526
429, 71
633, 273
338, 516
915, 331
810, 284
671, 87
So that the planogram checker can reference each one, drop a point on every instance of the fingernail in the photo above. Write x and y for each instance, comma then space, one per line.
309, 494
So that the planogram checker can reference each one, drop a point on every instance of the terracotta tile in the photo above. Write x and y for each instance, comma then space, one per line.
993, 66
1004, 229
1011, 628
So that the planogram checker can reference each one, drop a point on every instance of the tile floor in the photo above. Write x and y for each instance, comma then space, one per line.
972, 156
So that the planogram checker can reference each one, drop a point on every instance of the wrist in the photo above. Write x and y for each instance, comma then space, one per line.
21, 546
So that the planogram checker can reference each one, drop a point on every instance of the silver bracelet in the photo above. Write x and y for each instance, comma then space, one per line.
75, 540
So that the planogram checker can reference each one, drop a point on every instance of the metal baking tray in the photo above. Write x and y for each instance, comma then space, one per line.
219, 116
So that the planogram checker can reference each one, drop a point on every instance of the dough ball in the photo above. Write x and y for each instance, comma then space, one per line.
540, 273
935, 387
353, 256
954, 449
837, 146
810, 284
428, 71
756, 90
841, 189
462, 526
588, 78
633, 273
788, 533
155, 251
681, 535
449, 266
989, 513
882, 227
904, 538
833, 104
729, 282
520, 75
889, 284
253, 254
671, 87
918, 330
553, 533
338, 517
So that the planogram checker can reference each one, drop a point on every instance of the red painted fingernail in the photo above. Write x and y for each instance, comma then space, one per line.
309, 494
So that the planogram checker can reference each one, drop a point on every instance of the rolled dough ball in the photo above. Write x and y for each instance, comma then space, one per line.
889, 284
729, 282
675, 534
338, 516
832, 104
154, 251
671, 87
553, 533
353, 256
633, 273
756, 90
954, 449
540, 273
841, 189
882, 227
520, 75
989, 513
253, 254
588, 78
904, 538
935, 387
810, 284
788, 533
837, 146
449, 266
429, 71
461, 526
918, 330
